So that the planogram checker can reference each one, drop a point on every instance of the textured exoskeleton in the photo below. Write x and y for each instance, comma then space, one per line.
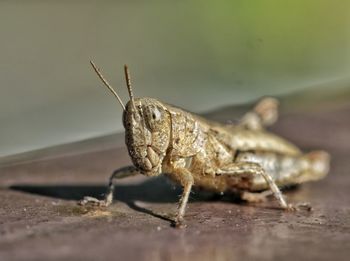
242, 158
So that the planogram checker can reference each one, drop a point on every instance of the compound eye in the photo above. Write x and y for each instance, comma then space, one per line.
155, 114
153, 117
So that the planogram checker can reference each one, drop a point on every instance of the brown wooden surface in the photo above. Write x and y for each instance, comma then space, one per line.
39, 218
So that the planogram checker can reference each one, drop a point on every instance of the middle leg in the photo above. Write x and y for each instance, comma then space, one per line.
255, 197
184, 177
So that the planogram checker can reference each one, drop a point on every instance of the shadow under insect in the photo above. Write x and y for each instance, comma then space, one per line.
153, 190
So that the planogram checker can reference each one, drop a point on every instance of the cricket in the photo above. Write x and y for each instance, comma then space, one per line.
242, 159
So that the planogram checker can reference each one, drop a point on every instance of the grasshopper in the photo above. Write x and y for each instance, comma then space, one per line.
243, 158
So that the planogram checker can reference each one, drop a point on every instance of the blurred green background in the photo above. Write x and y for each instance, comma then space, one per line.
199, 55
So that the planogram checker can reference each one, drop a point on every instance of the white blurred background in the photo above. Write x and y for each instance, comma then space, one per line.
198, 55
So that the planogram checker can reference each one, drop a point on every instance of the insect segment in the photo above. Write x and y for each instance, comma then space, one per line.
242, 158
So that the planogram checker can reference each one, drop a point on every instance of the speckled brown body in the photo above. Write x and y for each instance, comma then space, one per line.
193, 151
213, 146
222, 158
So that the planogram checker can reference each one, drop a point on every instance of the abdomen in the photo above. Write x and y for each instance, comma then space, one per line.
286, 170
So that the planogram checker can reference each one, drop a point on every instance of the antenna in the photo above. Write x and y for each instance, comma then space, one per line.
128, 85
97, 70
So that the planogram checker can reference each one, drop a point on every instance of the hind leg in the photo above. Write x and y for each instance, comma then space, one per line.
265, 113
245, 169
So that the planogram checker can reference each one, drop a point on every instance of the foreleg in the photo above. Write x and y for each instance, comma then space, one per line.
117, 174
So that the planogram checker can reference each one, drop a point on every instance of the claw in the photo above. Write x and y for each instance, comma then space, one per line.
300, 206
291, 208
305, 206
92, 202
179, 223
